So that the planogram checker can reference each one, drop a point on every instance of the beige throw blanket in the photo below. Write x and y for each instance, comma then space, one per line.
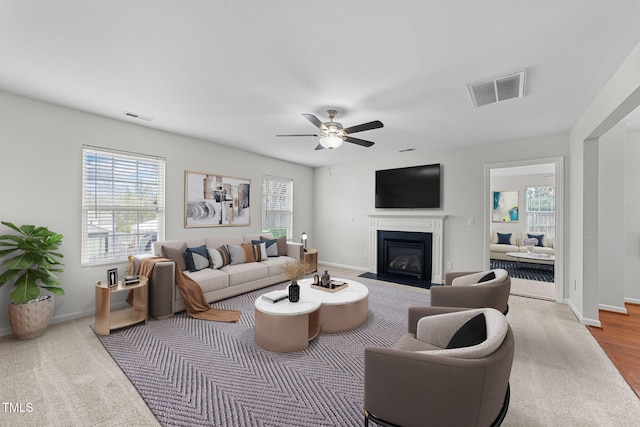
194, 299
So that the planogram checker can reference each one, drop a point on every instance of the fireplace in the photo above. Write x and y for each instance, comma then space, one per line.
410, 222
405, 254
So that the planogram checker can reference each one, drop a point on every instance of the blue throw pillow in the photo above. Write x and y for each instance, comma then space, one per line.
538, 237
272, 247
504, 238
197, 258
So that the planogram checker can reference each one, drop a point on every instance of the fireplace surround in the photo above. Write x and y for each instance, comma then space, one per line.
420, 223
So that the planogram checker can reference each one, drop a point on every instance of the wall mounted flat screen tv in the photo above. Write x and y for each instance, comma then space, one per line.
411, 187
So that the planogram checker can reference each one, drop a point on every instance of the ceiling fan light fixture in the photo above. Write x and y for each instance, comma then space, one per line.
331, 141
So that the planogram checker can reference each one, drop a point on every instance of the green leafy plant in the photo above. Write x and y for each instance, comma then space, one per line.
35, 262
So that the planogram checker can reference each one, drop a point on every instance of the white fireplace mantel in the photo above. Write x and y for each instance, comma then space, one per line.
410, 222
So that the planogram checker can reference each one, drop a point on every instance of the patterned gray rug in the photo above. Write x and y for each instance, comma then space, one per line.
199, 373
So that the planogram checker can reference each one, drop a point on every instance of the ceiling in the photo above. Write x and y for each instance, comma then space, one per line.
238, 73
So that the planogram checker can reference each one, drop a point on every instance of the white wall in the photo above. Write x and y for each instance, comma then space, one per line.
611, 219
620, 96
41, 173
344, 197
631, 243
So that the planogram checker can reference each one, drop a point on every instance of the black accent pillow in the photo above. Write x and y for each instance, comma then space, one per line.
197, 258
504, 238
538, 237
489, 276
471, 333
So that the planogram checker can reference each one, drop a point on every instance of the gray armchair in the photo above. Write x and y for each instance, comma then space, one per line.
461, 289
420, 382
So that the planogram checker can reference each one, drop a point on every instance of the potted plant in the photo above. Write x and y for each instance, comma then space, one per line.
32, 268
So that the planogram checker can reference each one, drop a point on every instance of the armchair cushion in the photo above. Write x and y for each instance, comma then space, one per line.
483, 277
438, 330
471, 333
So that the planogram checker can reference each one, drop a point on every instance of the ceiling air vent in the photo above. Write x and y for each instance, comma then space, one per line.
497, 89
137, 116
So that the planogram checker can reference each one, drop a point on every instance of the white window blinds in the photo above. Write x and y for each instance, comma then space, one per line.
122, 204
277, 206
541, 210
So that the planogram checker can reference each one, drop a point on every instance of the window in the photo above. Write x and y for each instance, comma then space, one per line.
277, 206
122, 204
541, 210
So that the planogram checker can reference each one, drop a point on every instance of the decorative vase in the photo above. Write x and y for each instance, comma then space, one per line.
325, 279
294, 291
530, 249
30, 320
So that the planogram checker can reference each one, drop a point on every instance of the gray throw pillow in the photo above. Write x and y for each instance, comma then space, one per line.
282, 245
216, 258
176, 254
237, 254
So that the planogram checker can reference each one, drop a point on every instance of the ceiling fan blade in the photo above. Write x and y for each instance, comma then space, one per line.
300, 134
358, 141
376, 124
319, 147
315, 121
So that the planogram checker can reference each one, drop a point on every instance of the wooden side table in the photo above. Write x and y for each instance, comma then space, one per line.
106, 320
311, 258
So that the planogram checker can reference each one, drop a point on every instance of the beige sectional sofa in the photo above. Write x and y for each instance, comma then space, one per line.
219, 283
499, 250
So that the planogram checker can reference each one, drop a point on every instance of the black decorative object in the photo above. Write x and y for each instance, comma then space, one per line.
326, 279
294, 291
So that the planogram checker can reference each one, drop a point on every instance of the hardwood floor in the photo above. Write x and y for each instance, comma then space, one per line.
619, 337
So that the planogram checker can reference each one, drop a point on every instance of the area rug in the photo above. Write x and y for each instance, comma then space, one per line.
197, 373
526, 270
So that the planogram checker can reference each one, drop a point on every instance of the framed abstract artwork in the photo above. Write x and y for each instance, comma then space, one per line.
505, 206
212, 200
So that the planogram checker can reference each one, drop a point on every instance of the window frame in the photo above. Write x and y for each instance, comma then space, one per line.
266, 225
538, 226
110, 170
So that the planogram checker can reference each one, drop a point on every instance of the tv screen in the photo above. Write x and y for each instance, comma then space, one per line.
411, 187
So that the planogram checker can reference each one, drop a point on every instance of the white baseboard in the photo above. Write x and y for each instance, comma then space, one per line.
346, 267
70, 316
632, 300
613, 308
583, 320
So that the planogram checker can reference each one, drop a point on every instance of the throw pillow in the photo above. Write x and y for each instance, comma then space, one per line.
249, 256
489, 276
216, 258
224, 253
504, 238
272, 247
538, 237
237, 254
177, 255
197, 258
282, 245
471, 333
261, 250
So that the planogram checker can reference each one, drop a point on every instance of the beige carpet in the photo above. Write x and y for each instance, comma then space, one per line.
533, 288
560, 376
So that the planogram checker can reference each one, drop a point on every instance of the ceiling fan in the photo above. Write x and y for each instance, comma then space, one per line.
332, 134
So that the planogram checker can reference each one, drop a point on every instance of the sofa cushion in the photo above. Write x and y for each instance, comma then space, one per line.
538, 237
209, 279
282, 245
216, 258
260, 250
246, 272
249, 254
272, 247
197, 258
504, 238
237, 254
176, 254
273, 264
473, 332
